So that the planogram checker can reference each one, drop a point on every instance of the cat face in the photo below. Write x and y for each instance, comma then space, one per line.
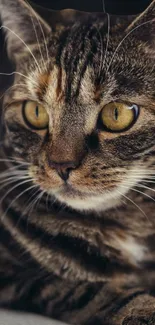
82, 107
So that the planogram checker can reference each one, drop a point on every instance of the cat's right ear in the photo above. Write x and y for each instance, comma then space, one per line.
22, 26
143, 27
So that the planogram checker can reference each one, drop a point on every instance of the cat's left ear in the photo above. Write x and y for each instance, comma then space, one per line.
143, 27
22, 26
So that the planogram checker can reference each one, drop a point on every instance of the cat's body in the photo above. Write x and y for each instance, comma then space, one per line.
91, 261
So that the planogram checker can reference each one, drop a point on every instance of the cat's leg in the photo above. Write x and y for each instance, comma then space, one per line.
138, 311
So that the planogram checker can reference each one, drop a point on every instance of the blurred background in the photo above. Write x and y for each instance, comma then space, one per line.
111, 6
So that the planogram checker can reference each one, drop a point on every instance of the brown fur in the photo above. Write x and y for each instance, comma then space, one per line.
83, 250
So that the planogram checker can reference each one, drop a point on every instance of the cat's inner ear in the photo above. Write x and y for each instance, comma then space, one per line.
22, 26
143, 27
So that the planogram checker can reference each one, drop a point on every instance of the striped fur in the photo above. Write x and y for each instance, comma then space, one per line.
83, 252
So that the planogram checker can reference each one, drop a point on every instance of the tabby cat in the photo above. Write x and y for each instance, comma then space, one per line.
77, 182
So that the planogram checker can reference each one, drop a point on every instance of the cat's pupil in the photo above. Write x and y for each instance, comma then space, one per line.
116, 114
37, 111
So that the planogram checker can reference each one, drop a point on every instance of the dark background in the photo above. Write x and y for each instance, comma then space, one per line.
111, 6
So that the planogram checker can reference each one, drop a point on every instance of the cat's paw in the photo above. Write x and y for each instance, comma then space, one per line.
147, 319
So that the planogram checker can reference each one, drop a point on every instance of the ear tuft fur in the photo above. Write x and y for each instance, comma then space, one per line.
22, 26
143, 27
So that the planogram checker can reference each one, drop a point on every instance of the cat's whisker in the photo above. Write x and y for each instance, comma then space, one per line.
47, 199
103, 3
143, 173
39, 46
101, 41
13, 169
136, 205
35, 202
138, 191
13, 188
42, 31
124, 38
16, 198
18, 73
14, 160
11, 181
28, 207
28, 48
142, 186
40, 197
14, 177
22, 214
107, 43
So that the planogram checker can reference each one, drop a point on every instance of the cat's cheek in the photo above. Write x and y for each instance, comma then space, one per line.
47, 181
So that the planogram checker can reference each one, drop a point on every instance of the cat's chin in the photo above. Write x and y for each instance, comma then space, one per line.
87, 201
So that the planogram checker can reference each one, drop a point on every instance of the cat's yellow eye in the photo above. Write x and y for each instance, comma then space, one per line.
118, 117
35, 115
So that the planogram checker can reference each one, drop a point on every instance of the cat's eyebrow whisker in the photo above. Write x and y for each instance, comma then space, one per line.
39, 46
19, 73
107, 43
47, 52
103, 3
101, 41
11, 31
124, 38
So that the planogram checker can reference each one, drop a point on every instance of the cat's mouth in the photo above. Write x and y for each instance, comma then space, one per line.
67, 190
84, 200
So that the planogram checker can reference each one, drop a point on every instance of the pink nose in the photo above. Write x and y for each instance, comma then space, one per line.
64, 168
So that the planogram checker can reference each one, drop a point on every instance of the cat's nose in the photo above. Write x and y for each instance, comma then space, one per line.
64, 168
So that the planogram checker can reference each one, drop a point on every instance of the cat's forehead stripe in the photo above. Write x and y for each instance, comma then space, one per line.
43, 83
54, 85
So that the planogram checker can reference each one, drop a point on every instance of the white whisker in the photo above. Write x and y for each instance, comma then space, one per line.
103, 3
16, 198
138, 191
13, 188
19, 73
137, 206
125, 37
107, 43
31, 201
11, 31
41, 54
46, 48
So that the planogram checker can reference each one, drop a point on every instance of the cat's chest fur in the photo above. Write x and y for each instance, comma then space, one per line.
83, 247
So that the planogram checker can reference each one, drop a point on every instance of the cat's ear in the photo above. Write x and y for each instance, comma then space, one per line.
22, 26
65, 17
143, 27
